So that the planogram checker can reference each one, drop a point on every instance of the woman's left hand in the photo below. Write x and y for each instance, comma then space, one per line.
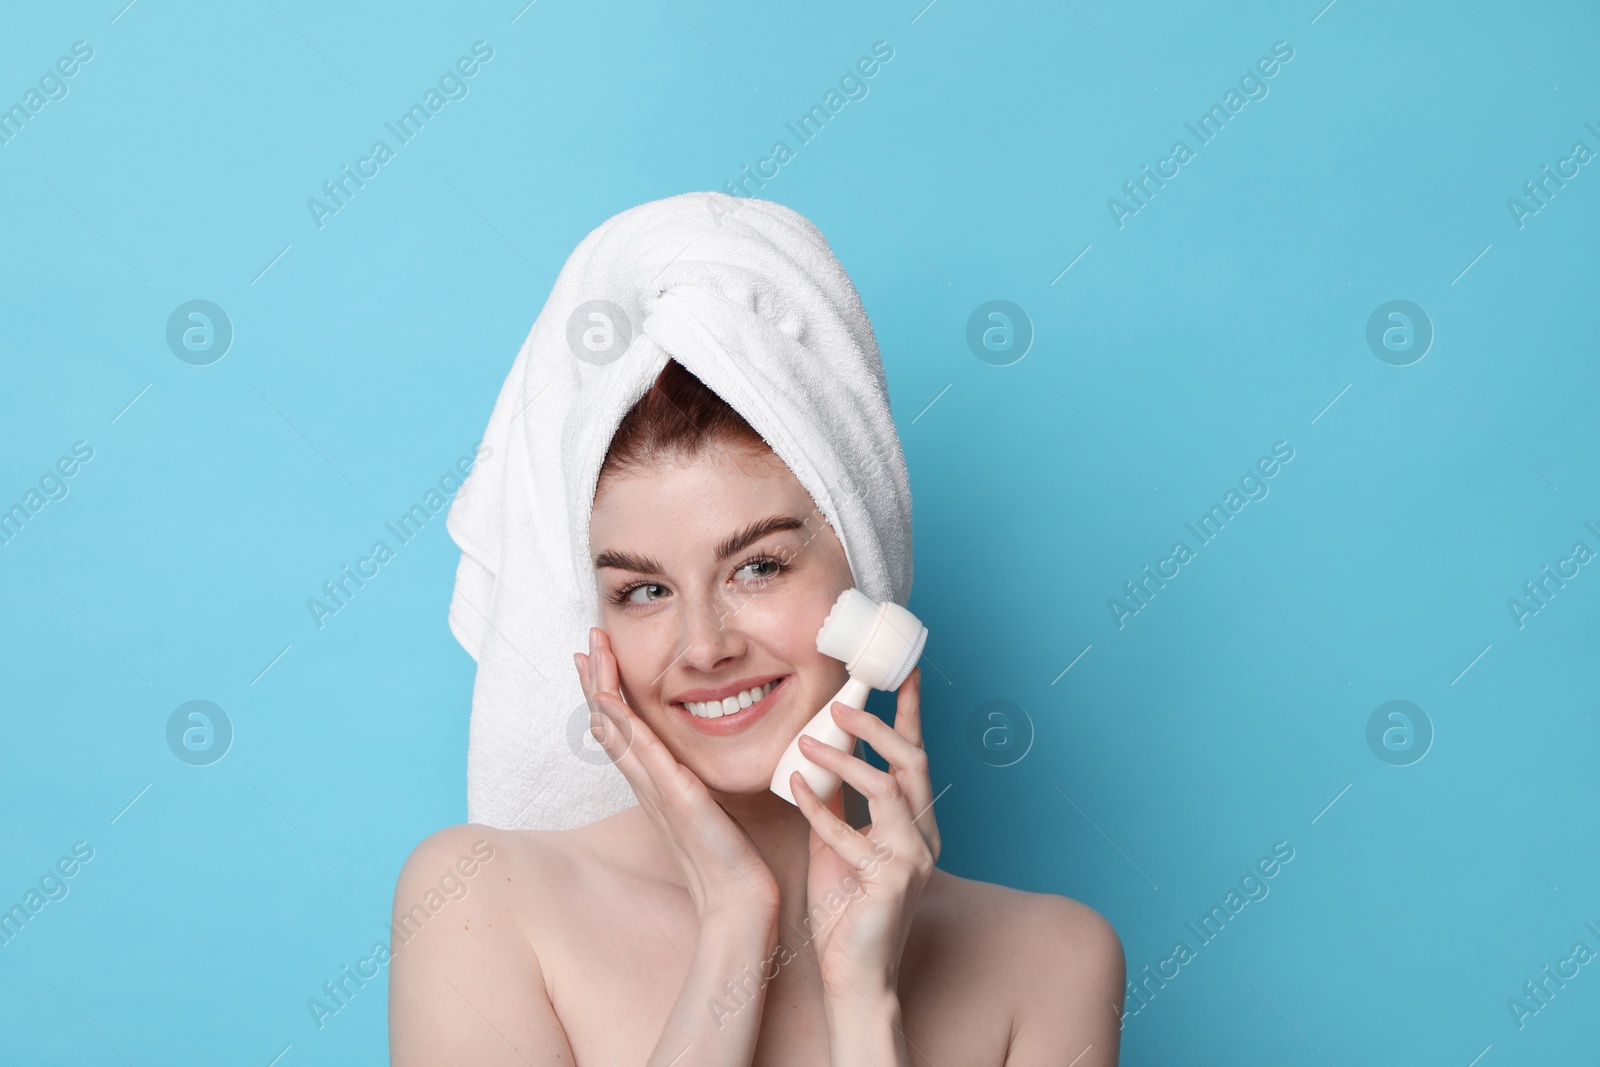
878, 872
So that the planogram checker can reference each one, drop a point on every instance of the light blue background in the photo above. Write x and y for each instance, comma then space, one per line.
1225, 316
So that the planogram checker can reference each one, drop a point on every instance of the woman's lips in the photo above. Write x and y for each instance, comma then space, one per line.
739, 720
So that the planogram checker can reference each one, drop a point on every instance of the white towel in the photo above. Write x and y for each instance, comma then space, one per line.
747, 295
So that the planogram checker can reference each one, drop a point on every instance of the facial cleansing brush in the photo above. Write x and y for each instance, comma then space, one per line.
879, 644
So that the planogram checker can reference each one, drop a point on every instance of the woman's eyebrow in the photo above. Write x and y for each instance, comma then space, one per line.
628, 561
756, 531
632, 561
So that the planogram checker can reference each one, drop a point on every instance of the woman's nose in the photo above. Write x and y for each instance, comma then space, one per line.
710, 634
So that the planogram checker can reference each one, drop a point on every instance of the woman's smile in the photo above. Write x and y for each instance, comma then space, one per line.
731, 708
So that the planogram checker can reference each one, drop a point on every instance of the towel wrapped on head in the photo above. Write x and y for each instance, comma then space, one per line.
746, 295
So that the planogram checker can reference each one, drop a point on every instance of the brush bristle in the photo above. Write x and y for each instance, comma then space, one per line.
850, 622
914, 653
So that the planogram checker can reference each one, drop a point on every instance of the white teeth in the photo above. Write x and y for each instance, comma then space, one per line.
716, 709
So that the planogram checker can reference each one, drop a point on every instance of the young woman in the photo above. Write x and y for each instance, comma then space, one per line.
715, 923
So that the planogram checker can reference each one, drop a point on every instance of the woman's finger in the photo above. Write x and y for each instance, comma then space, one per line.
598, 723
615, 733
619, 732
581, 660
602, 727
899, 753
610, 676
908, 708
868, 780
604, 687
837, 834
908, 724
908, 762
893, 817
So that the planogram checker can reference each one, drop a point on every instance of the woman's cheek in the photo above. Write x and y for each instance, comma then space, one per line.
636, 647
785, 614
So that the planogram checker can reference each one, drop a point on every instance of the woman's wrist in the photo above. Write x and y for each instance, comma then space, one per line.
737, 947
757, 904
870, 983
864, 1024
756, 924
719, 1008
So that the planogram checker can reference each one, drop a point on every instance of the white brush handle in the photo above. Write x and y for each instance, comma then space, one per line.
822, 781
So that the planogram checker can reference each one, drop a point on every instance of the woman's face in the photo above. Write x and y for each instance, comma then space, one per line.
714, 576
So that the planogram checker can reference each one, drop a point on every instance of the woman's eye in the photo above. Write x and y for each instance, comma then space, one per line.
766, 568
632, 595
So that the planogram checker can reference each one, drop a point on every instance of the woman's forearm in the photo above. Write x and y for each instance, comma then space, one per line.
717, 1018
864, 1026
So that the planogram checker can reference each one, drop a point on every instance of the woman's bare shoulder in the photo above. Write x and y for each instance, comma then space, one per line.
461, 872
458, 847
1061, 960
525, 868
491, 857
466, 980
1047, 922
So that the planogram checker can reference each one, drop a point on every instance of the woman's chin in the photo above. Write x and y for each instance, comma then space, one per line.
739, 784
743, 769
750, 779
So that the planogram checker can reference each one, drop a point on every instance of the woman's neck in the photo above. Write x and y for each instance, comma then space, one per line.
782, 834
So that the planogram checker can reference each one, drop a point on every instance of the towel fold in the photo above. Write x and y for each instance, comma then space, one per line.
747, 295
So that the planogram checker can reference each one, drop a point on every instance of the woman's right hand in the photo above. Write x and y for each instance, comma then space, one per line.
733, 889
722, 869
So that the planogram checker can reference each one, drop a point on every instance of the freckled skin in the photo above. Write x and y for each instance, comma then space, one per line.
711, 629
579, 950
